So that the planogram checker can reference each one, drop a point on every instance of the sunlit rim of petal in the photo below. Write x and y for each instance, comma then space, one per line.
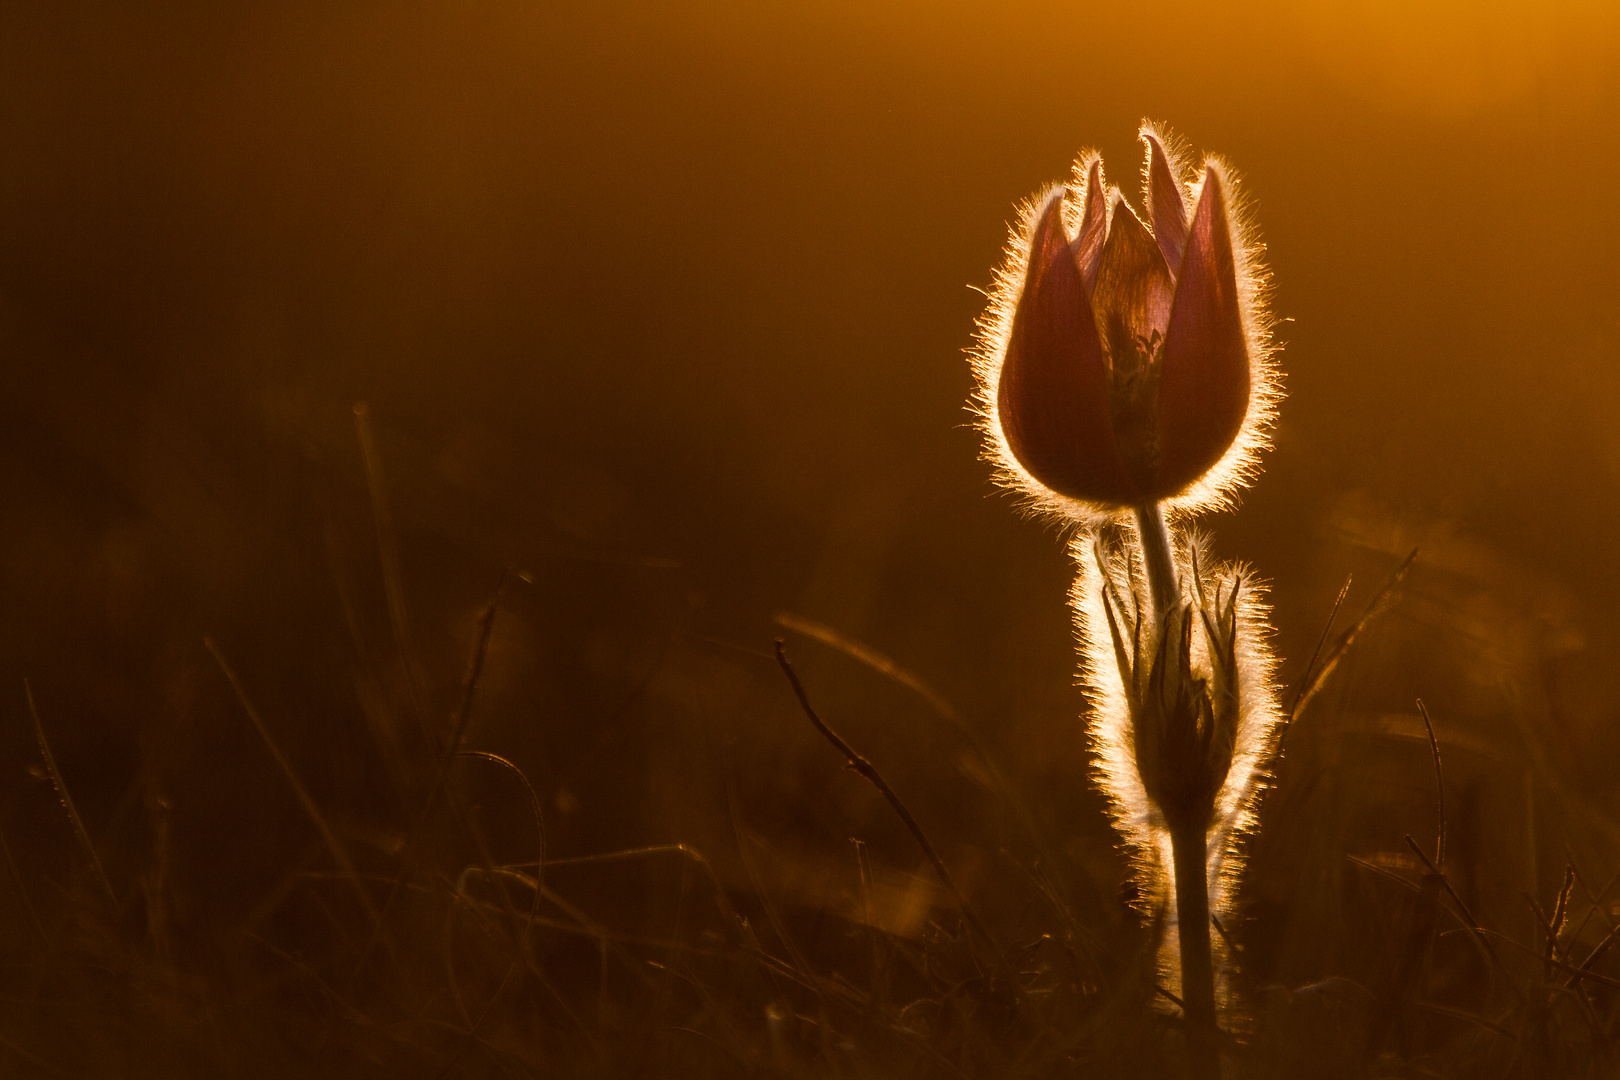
1167, 208
1052, 398
1204, 380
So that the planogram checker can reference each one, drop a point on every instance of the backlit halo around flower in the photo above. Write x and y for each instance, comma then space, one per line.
1121, 364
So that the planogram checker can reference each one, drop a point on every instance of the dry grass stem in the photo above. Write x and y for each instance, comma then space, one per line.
66, 798
334, 846
869, 772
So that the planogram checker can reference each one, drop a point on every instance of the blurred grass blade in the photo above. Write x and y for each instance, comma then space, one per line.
328, 837
869, 656
869, 771
1380, 602
1316, 653
883, 665
539, 828
388, 555
1440, 790
67, 799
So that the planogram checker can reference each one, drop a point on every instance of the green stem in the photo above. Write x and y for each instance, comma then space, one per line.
1187, 846
1157, 556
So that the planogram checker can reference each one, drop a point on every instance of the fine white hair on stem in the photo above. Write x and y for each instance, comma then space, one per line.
1218, 487
1112, 588
1259, 718
1118, 637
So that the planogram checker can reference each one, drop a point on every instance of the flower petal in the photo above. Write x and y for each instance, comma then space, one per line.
1167, 210
1204, 375
1133, 293
1052, 398
1093, 226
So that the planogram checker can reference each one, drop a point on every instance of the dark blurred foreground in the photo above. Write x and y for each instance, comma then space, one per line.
657, 313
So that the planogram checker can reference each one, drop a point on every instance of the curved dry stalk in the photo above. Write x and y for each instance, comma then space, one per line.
865, 654
1439, 788
475, 670
867, 770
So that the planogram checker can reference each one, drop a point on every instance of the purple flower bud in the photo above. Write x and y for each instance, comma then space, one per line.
1122, 363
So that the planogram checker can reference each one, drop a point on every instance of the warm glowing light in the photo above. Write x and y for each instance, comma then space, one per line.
1123, 363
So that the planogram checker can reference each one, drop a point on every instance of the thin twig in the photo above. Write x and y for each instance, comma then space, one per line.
1469, 922
1316, 653
864, 654
1560, 914
1384, 871
1597, 902
539, 882
1569, 969
1597, 952
535, 808
1472, 1018
1376, 607
67, 800
487, 865
866, 769
687, 850
475, 670
1592, 900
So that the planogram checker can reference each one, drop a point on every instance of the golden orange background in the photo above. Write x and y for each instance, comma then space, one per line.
664, 306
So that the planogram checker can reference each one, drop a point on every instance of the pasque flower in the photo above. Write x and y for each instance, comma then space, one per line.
1125, 363
1124, 368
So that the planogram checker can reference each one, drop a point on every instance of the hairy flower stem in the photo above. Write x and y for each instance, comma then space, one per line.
1197, 965
1161, 564
1187, 839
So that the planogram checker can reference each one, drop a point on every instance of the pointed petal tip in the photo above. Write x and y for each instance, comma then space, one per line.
1088, 245
1087, 174
1163, 152
1052, 392
1047, 233
1093, 173
1213, 192
1166, 200
1050, 200
1219, 176
1205, 375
